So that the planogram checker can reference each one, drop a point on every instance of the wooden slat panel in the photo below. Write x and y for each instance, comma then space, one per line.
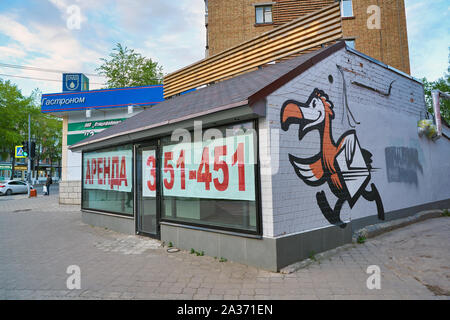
276, 41
287, 10
301, 34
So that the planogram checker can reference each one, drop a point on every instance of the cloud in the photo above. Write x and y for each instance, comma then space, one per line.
34, 32
43, 46
11, 52
428, 35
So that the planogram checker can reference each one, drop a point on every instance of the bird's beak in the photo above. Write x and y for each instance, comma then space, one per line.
294, 113
291, 113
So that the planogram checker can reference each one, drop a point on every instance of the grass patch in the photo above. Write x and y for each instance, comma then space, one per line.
361, 239
198, 254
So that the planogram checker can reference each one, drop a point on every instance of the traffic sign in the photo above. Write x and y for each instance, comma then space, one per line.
20, 153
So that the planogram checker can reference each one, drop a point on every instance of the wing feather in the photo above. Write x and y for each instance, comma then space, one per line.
309, 170
348, 143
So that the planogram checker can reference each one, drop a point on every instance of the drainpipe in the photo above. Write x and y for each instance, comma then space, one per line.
436, 95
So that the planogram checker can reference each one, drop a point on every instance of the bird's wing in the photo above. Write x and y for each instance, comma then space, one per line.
309, 170
348, 143
352, 164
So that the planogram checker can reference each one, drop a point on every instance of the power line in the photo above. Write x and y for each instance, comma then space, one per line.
15, 66
40, 79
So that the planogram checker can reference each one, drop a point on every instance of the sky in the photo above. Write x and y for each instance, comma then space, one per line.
45, 34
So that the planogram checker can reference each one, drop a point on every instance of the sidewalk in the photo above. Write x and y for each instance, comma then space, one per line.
40, 239
40, 203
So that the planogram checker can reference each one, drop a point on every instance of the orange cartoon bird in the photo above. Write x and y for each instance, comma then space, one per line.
344, 165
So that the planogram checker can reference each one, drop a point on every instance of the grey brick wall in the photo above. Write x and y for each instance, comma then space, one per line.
384, 122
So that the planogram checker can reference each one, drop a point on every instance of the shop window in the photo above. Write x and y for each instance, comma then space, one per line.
108, 180
346, 8
212, 183
263, 14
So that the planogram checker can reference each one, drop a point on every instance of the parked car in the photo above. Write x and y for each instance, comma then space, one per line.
13, 186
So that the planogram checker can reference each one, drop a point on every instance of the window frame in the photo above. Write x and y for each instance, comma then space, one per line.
342, 9
190, 225
222, 229
264, 7
106, 212
350, 40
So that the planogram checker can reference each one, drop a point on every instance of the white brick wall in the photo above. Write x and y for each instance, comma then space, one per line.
70, 192
384, 122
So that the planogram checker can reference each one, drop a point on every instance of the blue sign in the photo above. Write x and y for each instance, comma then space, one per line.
102, 99
75, 82
19, 152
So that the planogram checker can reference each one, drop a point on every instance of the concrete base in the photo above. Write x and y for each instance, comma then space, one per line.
267, 253
276, 253
255, 252
117, 223
398, 214
70, 192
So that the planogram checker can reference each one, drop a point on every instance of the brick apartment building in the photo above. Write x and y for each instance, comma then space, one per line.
231, 22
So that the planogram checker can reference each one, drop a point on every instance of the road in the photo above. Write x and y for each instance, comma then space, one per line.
54, 189
40, 239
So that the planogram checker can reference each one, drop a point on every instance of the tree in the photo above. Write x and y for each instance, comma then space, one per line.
127, 68
14, 110
442, 84
47, 133
45, 130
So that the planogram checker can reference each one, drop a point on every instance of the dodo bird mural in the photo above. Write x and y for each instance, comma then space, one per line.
344, 165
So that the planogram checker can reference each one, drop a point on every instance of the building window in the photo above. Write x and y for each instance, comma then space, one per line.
263, 14
350, 43
212, 183
346, 8
108, 180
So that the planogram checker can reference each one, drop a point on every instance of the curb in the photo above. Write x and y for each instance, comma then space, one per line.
380, 228
320, 256
366, 232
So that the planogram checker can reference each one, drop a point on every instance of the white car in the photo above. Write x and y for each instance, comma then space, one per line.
13, 186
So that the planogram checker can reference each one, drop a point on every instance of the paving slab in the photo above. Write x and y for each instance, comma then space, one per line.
39, 244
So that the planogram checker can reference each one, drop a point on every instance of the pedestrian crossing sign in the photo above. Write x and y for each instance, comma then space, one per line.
19, 152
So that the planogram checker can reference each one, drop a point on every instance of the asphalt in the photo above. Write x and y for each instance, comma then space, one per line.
40, 239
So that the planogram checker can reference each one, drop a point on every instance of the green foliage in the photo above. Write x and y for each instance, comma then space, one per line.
442, 84
46, 130
127, 68
202, 253
14, 109
312, 256
222, 259
361, 239
170, 245
446, 213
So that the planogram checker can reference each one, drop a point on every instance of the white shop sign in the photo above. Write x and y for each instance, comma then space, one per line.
214, 169
108, 170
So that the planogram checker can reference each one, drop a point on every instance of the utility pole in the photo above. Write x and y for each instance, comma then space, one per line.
29, 155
